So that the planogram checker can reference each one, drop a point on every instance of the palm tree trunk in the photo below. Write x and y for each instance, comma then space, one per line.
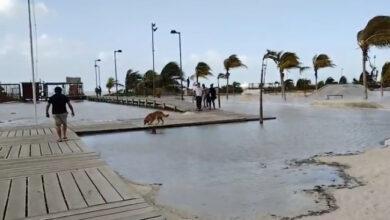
364, 73
219, 97
282, 86
227, 86
197, 79
316, 77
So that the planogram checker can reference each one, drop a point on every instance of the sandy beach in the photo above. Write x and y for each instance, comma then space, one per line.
369, 200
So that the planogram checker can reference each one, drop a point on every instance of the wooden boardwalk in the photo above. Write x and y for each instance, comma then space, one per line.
167, 104
43, 179
187, 119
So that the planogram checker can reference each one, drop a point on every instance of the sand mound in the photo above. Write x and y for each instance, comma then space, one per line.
348, 91
345, 103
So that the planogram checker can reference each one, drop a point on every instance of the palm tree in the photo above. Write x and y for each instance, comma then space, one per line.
376, 33
284, 61
220, 76
321, 61
385, 75
110, 84
301, 70
229, 63
202, 70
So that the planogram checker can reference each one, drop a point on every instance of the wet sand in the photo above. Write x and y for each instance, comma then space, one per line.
370, 199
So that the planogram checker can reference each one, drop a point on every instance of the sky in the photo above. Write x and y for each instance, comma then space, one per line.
71, 34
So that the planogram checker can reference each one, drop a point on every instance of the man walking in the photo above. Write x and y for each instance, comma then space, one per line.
60, 114
198, 94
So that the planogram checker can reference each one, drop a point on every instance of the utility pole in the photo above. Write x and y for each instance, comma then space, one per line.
32, 64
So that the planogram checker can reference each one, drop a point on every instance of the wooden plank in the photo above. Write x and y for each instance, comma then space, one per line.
24, 150
34, 132
45, 149
4, 151
82, 146
16, 207
139, 214
73, 146
53, 130
117, 183
26, 133
114, 213
41, 131
12, 133
55, 149
105, 188
14, 152
89, 191
55, 200
64, 148
4, 188
71, 191
35, 150
47, 131
19, 133
73, 214
36, 196
4, 133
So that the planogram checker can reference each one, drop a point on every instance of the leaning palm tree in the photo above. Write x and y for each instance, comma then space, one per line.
284, 61
202, 70
229, 63
319, 62
376, 33
301, 70
110, 84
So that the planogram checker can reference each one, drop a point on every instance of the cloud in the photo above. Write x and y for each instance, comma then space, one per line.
17, 8
7, 7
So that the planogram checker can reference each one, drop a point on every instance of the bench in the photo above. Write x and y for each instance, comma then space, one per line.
328, 96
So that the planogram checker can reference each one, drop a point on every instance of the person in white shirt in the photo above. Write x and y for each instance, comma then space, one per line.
198, 93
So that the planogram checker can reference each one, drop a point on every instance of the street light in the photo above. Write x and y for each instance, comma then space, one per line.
154, 28
181, 68
116, 74
96, 75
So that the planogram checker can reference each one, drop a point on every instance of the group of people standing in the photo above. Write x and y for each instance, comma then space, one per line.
205, 95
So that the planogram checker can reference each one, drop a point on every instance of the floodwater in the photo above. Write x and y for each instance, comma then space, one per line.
241, 171
15, 114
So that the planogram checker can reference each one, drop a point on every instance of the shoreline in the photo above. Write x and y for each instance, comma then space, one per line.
363, 194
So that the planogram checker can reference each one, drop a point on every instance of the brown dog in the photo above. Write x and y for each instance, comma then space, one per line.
157, 115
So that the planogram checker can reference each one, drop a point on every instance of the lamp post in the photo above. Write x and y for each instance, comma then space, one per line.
154, 28
262, 79
96, 74
99, 76
181, 68
116, 74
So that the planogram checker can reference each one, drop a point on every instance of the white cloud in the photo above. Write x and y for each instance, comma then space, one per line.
6, 5
16, 8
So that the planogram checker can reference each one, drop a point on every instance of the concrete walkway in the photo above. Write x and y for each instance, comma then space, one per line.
44, 179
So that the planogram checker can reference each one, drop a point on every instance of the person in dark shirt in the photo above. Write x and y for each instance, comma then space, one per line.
213, 95
60, 114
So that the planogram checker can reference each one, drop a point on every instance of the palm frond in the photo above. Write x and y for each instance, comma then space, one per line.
202, 70
233, 62
273, 55
221, 76
288, 60
303, 69
322, 61
376, 33
386, 70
